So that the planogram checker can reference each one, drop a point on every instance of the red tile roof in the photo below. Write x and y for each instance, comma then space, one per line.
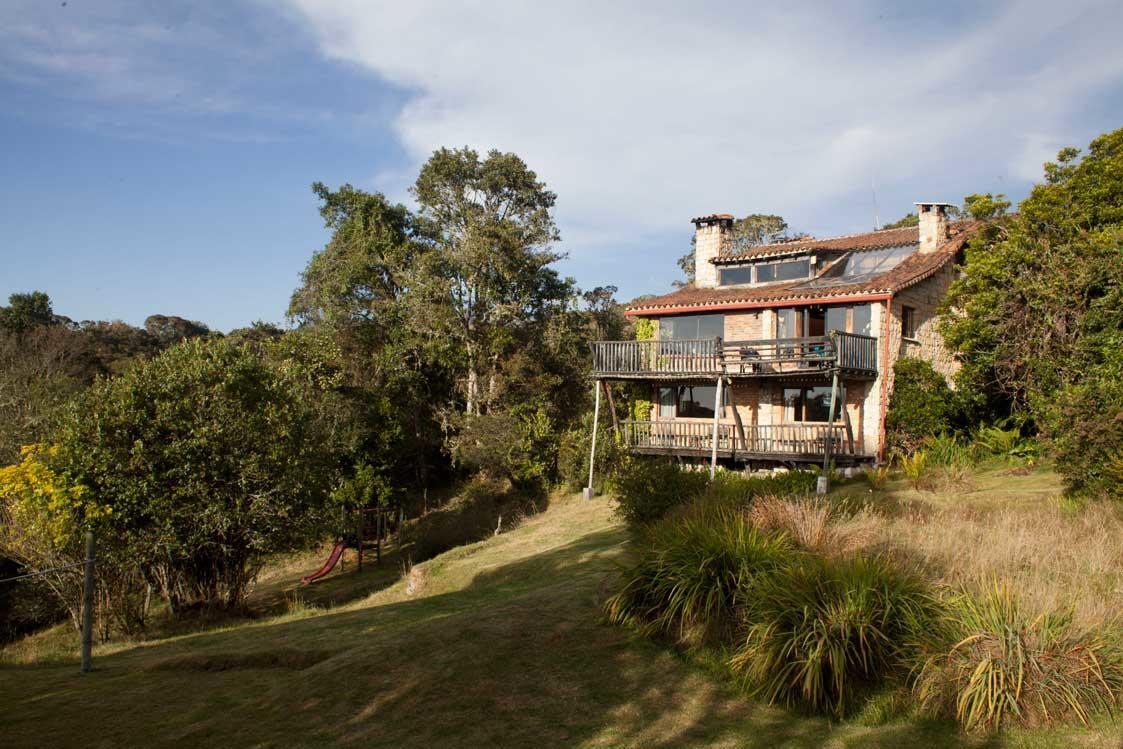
913, 269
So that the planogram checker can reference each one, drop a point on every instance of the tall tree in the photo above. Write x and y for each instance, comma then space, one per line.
26, 311
489, 223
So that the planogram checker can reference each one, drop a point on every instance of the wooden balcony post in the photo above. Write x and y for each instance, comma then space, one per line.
588, 493
824, 483
717, 415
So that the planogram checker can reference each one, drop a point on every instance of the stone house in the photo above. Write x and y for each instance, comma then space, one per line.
783, 353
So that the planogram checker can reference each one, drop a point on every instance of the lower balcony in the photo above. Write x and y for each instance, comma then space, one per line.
782, 442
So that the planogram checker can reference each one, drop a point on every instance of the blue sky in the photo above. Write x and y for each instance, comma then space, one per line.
157, 156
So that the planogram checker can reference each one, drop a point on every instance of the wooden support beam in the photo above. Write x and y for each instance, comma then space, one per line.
588, 493
736, 417
611, 407
824, 483
717, 415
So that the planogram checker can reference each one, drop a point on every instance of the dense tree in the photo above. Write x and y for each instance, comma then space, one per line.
1037, 318
488, 276
26, 311
208, 458
909, 219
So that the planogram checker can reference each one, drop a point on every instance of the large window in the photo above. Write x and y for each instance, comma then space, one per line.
685, 327
786, 270
801, 322
687, 402
734, 276
807, 403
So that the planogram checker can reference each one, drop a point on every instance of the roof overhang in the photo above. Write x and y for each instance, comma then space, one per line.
880, 296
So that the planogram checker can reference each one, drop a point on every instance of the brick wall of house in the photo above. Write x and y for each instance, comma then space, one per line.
744, 326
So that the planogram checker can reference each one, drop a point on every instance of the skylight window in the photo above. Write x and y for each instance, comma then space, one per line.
785, 270
864, 266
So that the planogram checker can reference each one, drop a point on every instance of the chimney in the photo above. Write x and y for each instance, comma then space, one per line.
933, 225
710, 236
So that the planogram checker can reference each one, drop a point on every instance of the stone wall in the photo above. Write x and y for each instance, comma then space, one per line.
709, 235
927, 343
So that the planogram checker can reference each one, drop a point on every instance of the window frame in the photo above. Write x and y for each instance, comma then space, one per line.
799, 409
908, 322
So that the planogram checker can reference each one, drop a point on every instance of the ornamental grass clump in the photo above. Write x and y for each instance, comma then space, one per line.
821, 631
692, 572
995, 665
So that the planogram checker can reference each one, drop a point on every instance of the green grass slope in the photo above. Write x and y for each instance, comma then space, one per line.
497, 644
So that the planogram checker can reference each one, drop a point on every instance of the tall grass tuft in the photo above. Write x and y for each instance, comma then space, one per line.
812, 523
821, 631
876, 476
996, 664
947, 450
691, 573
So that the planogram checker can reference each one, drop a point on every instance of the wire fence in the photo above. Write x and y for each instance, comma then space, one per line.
42, 572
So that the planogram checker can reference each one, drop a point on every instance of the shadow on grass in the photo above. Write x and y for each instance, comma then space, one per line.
518, 657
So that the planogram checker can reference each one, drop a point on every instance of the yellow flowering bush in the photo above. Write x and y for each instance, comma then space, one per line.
40, 504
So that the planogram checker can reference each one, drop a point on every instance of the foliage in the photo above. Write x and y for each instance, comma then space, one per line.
811, 522
820, 630
947, 450
909, 219
1036, 318
573, 455
25, 312
738, 489
994, 664
693, 573
646, 329
210, 457
1007, 444
922, 405
646, 488
876, 476
757, 229
915, 468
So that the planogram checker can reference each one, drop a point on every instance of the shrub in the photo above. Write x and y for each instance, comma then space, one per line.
820, 631
208, 458
1007, 444
922, 404
813, 524
739, 490
691, 571
994, 664
915, 468
947, 450
573, 455
647, 487
876, 476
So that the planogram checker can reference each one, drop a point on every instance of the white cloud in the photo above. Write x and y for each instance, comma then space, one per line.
640, 115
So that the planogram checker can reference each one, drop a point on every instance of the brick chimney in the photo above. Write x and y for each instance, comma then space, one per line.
933, 225
710, 236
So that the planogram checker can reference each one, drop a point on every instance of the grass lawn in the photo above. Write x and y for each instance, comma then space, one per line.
495, 644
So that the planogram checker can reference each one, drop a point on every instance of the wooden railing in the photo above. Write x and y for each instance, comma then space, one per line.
713, 357
674, 435
856, 351
694, 356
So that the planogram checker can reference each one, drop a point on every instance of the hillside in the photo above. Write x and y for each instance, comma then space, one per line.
499, 643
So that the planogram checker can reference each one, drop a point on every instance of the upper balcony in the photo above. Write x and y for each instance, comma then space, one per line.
708, 358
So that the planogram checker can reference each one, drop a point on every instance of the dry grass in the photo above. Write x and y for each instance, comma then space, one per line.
814, 524
1016, 528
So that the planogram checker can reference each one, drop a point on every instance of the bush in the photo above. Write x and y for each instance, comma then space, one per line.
819, 631
1007, 444
915, 468
692, 572
573, 456
876, 477
208, 458
947, 450
922, 405
646, 488
993, 664
1085, 430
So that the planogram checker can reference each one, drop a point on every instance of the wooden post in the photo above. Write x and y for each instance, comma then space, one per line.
88, 605
737, 417
717, 415
361, 531
588, 493
611, 408
379, 524
846, 421
824, 483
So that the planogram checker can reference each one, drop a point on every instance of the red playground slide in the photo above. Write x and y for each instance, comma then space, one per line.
329, 565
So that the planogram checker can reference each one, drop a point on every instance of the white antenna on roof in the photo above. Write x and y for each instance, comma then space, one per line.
876, 217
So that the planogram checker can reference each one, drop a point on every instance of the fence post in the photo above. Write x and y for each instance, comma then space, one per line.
88, 605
